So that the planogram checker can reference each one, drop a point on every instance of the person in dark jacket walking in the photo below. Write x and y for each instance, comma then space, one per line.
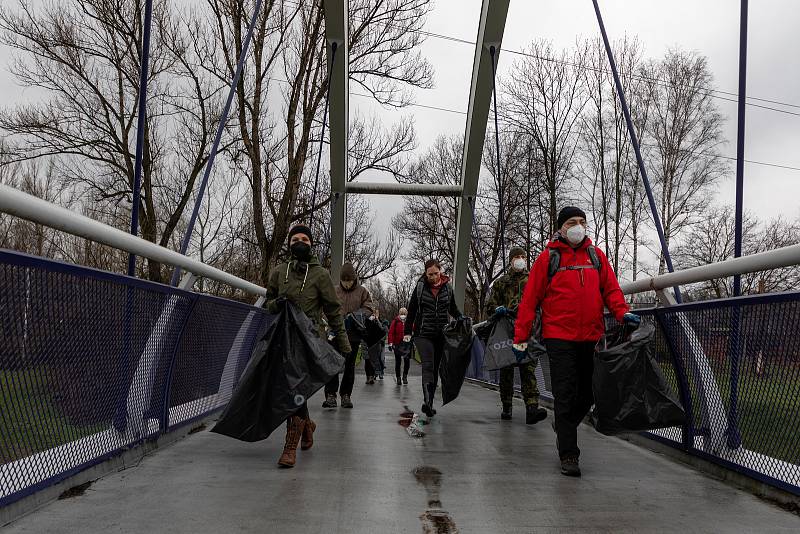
354, 297
506, 296
303, 281
572, 295
396, 335
431, 305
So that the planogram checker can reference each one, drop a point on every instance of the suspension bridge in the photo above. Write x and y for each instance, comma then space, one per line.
110, 383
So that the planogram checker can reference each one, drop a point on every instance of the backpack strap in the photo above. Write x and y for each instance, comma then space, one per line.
554, 263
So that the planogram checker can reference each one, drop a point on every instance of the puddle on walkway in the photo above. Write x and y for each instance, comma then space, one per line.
435, 520
75, 491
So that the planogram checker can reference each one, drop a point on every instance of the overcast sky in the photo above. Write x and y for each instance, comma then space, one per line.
707, 26
711, 27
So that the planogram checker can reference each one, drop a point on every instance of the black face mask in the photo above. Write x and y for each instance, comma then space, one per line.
301, 251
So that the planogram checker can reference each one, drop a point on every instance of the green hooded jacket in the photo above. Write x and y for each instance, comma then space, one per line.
309, 286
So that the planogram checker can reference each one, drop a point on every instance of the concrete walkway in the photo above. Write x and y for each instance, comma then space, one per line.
470, 473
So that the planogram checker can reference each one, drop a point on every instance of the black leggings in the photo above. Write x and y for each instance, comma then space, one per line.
430, 351
397, 363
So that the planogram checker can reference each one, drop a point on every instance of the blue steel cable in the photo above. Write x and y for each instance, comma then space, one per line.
636, 148
220, 130
737, 280
501, 214
140, 128
734, 438
322, 137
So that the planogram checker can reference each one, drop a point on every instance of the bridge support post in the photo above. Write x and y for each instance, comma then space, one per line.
490, 34
337, 38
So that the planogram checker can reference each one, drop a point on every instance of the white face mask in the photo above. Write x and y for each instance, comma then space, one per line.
519, 264
402, 317
576, 234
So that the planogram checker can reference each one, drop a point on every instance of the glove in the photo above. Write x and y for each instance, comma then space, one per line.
501, 311
406, 339
632, 319
520, 351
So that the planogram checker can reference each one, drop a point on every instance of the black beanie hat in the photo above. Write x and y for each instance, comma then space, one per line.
567, 213
300, 229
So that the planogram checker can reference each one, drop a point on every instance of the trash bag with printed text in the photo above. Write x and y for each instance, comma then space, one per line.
288, 365
499, 353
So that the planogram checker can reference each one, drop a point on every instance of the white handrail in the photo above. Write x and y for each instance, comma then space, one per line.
771, 259
25, 206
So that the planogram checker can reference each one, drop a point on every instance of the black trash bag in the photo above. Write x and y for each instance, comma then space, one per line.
370, 332
404, 349
288, 366
458, 340
484, 330
499, 353
630, 391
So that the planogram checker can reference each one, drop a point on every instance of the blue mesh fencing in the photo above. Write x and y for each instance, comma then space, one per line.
736, 366
93, 363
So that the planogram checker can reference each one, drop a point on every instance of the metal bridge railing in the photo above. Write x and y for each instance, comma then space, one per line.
735, 363
94, 363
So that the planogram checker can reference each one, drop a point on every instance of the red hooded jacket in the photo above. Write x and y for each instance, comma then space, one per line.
572, 301
396, 331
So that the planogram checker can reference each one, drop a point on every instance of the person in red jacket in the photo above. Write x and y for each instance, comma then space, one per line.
396, 334
571, 296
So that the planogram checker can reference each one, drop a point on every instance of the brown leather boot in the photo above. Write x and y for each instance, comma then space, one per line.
294, 430
308, 435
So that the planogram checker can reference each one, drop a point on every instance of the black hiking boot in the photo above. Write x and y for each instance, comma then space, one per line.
569, 466
330, 401
346, 402
505, 415
398, 380
428, 392
534, 414
405, 380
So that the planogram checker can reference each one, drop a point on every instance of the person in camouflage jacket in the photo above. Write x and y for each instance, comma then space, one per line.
506, 296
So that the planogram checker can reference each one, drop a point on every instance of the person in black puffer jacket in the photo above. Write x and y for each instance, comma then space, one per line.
429, 310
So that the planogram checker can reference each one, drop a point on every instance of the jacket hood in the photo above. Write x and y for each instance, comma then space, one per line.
348, 272
311, 263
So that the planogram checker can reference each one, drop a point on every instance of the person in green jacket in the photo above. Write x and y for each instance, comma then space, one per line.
303, 281
506, 296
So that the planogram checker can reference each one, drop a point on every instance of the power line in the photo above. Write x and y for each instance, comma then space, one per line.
464, 113
663, 83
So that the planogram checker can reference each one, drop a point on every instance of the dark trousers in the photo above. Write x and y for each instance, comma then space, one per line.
398, 362
430, 352
571, 365
349, 375
369, 368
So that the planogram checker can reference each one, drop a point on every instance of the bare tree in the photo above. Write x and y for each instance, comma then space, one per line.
383, 60
605, 166
85, 54
683, 136
711, 240
544, 99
